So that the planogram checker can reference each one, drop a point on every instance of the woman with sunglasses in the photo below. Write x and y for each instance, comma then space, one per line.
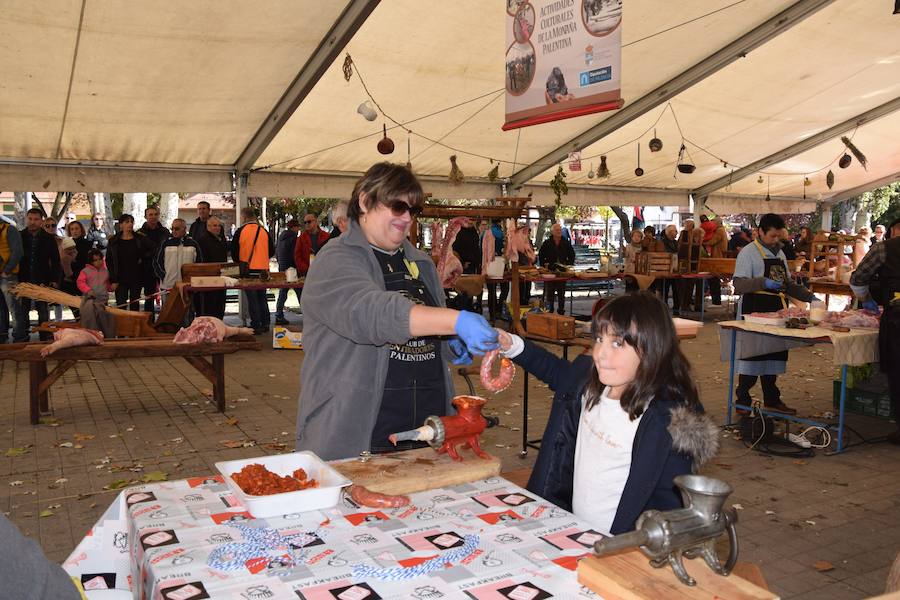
374, 317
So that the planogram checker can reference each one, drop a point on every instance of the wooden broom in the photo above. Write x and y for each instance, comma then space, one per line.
54, 296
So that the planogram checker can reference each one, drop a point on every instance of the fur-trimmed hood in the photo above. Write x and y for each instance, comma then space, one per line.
694, 434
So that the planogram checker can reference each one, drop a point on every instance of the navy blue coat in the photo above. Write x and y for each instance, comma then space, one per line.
284, 249
671, 440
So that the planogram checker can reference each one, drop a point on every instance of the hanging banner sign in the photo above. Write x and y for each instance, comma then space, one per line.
563, 59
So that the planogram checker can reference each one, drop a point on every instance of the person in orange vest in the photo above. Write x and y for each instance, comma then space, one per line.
253, 245
10, 254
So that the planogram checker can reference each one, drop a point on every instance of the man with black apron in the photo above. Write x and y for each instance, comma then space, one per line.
762, 278
882, 263
414, 388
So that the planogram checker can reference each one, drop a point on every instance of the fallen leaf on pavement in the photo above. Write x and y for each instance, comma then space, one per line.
737, 507
16, 452
16, 483
51, 421
808, 522
81, 437
799, 462
277, 446
231, 421
237, 443
154, 476
118, 484
207, 392
45, 513
822, 566
65, 445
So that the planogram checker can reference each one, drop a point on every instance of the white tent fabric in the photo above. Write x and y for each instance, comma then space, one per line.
166, 96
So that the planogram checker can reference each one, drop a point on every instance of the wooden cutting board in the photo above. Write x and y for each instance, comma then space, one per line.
416, 470
629, 576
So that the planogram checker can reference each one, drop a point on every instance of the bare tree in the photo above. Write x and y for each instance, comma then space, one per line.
134, 204
21, 199
168, 208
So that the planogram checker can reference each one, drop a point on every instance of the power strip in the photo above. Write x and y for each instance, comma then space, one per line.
800, 440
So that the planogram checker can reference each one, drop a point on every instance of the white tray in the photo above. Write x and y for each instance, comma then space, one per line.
326, 495
776, 321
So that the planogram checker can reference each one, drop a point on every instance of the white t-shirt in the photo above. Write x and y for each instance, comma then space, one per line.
602, 461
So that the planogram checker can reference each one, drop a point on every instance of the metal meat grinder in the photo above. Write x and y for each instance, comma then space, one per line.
666, 536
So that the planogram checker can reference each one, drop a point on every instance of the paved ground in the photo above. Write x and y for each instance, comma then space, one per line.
826, 527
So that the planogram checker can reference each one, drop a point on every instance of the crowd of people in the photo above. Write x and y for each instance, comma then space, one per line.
139, 267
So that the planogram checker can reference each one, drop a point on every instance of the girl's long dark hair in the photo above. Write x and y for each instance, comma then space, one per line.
643, 322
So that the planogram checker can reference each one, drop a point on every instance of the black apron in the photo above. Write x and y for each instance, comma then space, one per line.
414, 388
765, 301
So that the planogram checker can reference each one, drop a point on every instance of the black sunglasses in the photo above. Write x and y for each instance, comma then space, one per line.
399, 207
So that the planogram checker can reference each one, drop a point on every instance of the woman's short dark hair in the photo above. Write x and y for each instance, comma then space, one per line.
125, 217
80, 226
384, 182
643, 322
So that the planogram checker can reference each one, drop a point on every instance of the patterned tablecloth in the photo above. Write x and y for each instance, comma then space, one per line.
491, 540
854, 347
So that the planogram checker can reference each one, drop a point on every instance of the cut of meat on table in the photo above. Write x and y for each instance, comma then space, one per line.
208, 329
72, 336
852, 318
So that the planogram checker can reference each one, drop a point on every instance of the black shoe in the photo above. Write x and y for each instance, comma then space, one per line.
281, 321
781, 407
894, 438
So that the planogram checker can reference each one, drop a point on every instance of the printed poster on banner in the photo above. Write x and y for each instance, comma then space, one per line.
563, 59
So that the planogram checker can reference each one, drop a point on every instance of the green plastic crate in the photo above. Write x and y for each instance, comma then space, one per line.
864, 402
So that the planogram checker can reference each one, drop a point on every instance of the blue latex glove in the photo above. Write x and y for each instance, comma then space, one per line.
463, 356
476, 333
871, 305
772, 285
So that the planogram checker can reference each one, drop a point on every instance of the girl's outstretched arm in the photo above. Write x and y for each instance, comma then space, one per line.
546, 366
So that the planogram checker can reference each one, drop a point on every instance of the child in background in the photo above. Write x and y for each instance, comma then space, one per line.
94, 277
626, 419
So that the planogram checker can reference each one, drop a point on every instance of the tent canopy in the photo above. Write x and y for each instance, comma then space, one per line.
114, 96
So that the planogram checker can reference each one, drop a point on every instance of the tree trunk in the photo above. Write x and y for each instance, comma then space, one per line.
625, 222
134, 204
848, 210
168, 208
21, 200
101, 204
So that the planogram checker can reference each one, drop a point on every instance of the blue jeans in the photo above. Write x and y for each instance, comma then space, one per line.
282, 298
8, 303
258, 307
21, 333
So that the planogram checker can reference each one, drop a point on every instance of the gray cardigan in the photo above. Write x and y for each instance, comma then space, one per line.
349, 322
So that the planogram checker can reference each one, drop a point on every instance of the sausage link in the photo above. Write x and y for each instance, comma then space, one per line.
503, 378
365, 497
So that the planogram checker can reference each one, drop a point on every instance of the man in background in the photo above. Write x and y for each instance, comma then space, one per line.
199, 225
556, 250
284, 254
157, 234
339, 218
252, 245
40, 265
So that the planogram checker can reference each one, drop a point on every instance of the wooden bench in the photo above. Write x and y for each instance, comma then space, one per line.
40, 380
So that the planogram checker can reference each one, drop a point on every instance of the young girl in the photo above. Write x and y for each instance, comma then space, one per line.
94, 277
626, 419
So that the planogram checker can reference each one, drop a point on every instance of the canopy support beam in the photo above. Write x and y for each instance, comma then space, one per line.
343, 30
800, 147
862, 189
739, 48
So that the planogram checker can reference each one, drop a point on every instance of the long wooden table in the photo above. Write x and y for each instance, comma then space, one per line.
40, 380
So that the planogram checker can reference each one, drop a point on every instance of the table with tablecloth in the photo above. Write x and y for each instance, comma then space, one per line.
191, 539
743, 339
